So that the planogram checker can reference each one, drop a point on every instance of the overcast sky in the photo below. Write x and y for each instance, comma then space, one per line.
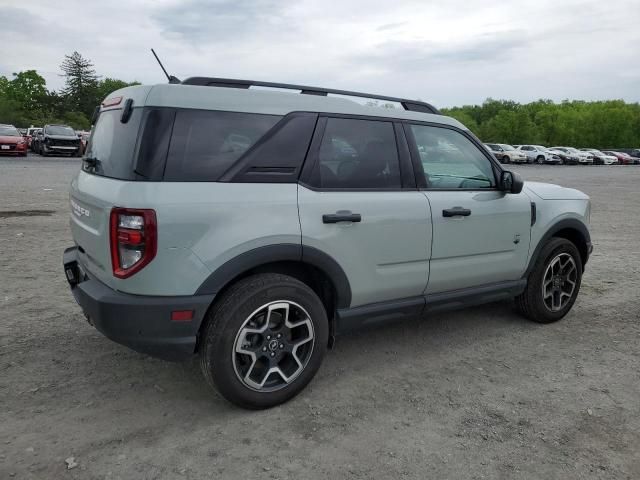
449, 52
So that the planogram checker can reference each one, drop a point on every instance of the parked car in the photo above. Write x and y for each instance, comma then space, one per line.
59, 140
33, 139
11, 141
240, 233
622, 157
506, 153
84, 138
601, 158
575, 156
540, 154
30, 134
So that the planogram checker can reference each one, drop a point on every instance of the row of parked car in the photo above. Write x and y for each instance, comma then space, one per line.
48, 140
561, 155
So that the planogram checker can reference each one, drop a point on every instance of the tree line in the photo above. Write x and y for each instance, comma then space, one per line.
601, 124
25, 99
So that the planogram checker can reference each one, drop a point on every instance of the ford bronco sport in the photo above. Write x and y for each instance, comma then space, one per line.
250, 226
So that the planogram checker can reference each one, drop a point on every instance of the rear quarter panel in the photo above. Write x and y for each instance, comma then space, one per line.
200, 227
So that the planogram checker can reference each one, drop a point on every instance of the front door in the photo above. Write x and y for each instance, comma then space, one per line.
481, 235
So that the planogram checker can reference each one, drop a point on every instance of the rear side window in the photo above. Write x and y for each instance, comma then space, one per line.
205, 144
358, 154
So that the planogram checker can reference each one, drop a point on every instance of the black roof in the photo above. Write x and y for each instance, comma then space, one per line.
411, 105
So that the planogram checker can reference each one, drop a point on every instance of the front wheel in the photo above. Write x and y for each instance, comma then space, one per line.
540, 160
553, 284
264, 340
506, 159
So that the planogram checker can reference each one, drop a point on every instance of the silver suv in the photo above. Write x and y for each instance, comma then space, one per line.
250, 226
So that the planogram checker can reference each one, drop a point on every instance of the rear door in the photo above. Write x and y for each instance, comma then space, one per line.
480, 234
358, 203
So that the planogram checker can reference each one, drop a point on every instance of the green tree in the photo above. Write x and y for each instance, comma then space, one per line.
109, 85
81, 84
27, 89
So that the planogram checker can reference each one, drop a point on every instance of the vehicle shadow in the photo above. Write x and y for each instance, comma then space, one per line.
361, 353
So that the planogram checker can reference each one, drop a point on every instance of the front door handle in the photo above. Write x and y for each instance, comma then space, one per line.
456, 212
341, 216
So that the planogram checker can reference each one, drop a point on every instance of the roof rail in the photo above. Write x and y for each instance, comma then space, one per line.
412, 105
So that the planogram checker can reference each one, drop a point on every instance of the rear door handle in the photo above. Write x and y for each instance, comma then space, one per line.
456, 212
341, 216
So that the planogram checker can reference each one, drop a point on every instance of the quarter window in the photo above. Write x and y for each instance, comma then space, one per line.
358, 154
205, 144
450, 160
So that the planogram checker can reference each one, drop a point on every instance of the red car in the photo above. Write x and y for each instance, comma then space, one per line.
623, 158
11, 142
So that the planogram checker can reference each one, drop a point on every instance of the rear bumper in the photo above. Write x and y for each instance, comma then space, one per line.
142, 323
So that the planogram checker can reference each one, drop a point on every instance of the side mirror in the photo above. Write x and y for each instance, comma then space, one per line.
511, 182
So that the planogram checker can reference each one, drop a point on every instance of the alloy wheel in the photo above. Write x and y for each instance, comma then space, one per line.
273, 346
559, 282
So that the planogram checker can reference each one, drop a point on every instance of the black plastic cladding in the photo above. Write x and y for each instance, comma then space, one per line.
411, 105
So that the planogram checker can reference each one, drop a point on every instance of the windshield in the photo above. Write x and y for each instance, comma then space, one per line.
573, 150
507, 147
596, 152
9, 131
59, 130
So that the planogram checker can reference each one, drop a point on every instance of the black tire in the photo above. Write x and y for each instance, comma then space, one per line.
227, 317
506, 159
540, 160
530, 303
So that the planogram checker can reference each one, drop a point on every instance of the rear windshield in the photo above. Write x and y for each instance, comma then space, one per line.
112, 144
172, 144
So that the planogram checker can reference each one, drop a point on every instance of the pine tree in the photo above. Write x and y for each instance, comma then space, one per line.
81, 83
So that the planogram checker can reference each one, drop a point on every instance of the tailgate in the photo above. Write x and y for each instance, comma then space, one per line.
91, 200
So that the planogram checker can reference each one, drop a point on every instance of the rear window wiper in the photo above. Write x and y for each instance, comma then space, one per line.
91, 162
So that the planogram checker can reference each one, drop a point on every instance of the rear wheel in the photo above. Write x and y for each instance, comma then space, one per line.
540, 159
553, 284
264, 340
506, 159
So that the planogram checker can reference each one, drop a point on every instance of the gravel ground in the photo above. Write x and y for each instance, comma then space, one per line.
478, 393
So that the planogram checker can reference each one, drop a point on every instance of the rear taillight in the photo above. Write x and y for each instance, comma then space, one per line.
134, 240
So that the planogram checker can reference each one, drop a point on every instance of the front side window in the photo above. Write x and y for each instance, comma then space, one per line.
205, 144
450, 160
358, 154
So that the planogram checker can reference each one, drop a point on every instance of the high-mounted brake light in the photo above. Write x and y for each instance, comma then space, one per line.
111, 102
133, 238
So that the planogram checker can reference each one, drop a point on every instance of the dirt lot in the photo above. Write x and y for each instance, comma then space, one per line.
479, 393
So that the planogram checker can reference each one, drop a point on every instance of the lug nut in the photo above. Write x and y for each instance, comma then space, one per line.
264, 349
273, 354
268, 337
281, 346
279, 335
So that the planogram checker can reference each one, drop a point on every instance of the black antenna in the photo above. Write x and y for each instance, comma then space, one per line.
171, 78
